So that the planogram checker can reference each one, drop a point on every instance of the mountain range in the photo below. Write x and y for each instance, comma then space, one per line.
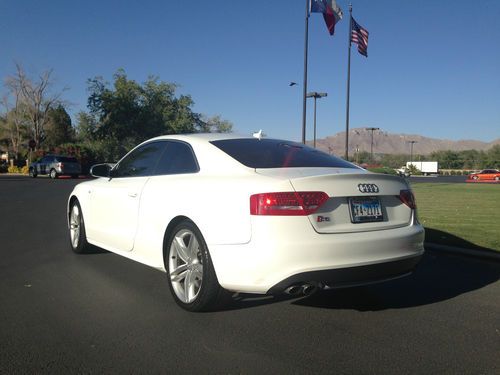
389, 143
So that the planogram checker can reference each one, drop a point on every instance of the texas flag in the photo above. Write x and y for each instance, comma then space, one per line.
331, 12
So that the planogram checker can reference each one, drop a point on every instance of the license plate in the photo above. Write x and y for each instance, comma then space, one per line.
365, 210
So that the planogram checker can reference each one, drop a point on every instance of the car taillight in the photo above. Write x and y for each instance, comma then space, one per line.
291, 203
407, 197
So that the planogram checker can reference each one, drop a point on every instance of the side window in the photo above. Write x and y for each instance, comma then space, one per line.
178, 158
140, 162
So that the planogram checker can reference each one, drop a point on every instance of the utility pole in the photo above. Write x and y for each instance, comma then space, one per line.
304, 89
371, 145
411, 150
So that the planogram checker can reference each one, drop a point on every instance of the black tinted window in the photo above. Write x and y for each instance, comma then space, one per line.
177, 158
273, 153
140, 162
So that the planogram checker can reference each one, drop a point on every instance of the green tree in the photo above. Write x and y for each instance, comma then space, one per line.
393, 160
4, 138
128, 113
471, 159
447, 159
492, 158
14, 132
58, 129
86, 127
215, 124
362, 157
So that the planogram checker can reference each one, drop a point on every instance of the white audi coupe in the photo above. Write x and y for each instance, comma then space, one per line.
222, 212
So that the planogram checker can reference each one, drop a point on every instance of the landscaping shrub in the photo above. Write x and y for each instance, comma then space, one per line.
383, 170
16, 169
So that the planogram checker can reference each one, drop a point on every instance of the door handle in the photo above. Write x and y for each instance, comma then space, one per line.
132, 194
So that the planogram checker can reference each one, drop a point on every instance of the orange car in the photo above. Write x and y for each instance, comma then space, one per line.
486, 174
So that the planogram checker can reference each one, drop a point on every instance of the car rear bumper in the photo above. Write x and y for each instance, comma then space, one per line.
351, 276
69, 170
273, 258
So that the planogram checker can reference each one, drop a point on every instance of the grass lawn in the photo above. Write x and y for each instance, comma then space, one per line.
464, 215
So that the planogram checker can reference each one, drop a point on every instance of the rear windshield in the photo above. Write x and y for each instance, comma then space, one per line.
65, 159
274, 153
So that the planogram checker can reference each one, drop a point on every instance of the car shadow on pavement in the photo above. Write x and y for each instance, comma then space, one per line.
439, 237
92, 249
240, 301
438, 277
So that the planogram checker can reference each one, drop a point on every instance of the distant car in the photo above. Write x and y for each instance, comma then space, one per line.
486, 174
221, 211
56, 165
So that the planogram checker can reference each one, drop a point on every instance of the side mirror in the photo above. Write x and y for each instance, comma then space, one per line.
100, 170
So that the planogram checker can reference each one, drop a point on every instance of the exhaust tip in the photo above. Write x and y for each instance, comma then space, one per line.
294, 290
308, 289
305, 289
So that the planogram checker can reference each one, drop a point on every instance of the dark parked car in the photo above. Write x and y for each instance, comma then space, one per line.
56, 165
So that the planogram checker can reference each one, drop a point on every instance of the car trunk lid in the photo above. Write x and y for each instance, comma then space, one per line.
358, 200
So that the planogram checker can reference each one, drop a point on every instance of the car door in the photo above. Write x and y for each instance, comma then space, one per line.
486, 175
42, 165
115, 201
491, 174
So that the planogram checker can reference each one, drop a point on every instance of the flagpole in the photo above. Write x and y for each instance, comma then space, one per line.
348, 85
304, 86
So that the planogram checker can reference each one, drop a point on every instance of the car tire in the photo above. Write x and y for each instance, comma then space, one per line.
191, 275
32, 173
53, 174
77, 234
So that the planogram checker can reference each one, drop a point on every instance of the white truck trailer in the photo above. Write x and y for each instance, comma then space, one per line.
426, 167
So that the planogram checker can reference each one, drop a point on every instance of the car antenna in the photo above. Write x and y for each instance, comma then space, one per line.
259, 135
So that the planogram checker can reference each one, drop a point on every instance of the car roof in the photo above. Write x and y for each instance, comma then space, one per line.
202, 137
210, 158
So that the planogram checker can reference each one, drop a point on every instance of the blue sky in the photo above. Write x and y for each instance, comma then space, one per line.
433, 67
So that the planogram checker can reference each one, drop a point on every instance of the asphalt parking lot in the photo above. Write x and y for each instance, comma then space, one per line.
100, 313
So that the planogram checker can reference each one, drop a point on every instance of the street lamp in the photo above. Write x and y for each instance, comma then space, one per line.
371, 146
411, 150
315, 95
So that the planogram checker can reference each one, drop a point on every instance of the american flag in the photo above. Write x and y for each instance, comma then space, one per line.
359, 35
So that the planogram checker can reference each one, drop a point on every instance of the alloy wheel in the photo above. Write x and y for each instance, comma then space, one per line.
74, 226
185, 266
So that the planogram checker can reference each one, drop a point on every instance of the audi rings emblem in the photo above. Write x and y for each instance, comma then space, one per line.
368, 188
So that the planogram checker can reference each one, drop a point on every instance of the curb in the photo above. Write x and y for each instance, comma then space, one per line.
477, 253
